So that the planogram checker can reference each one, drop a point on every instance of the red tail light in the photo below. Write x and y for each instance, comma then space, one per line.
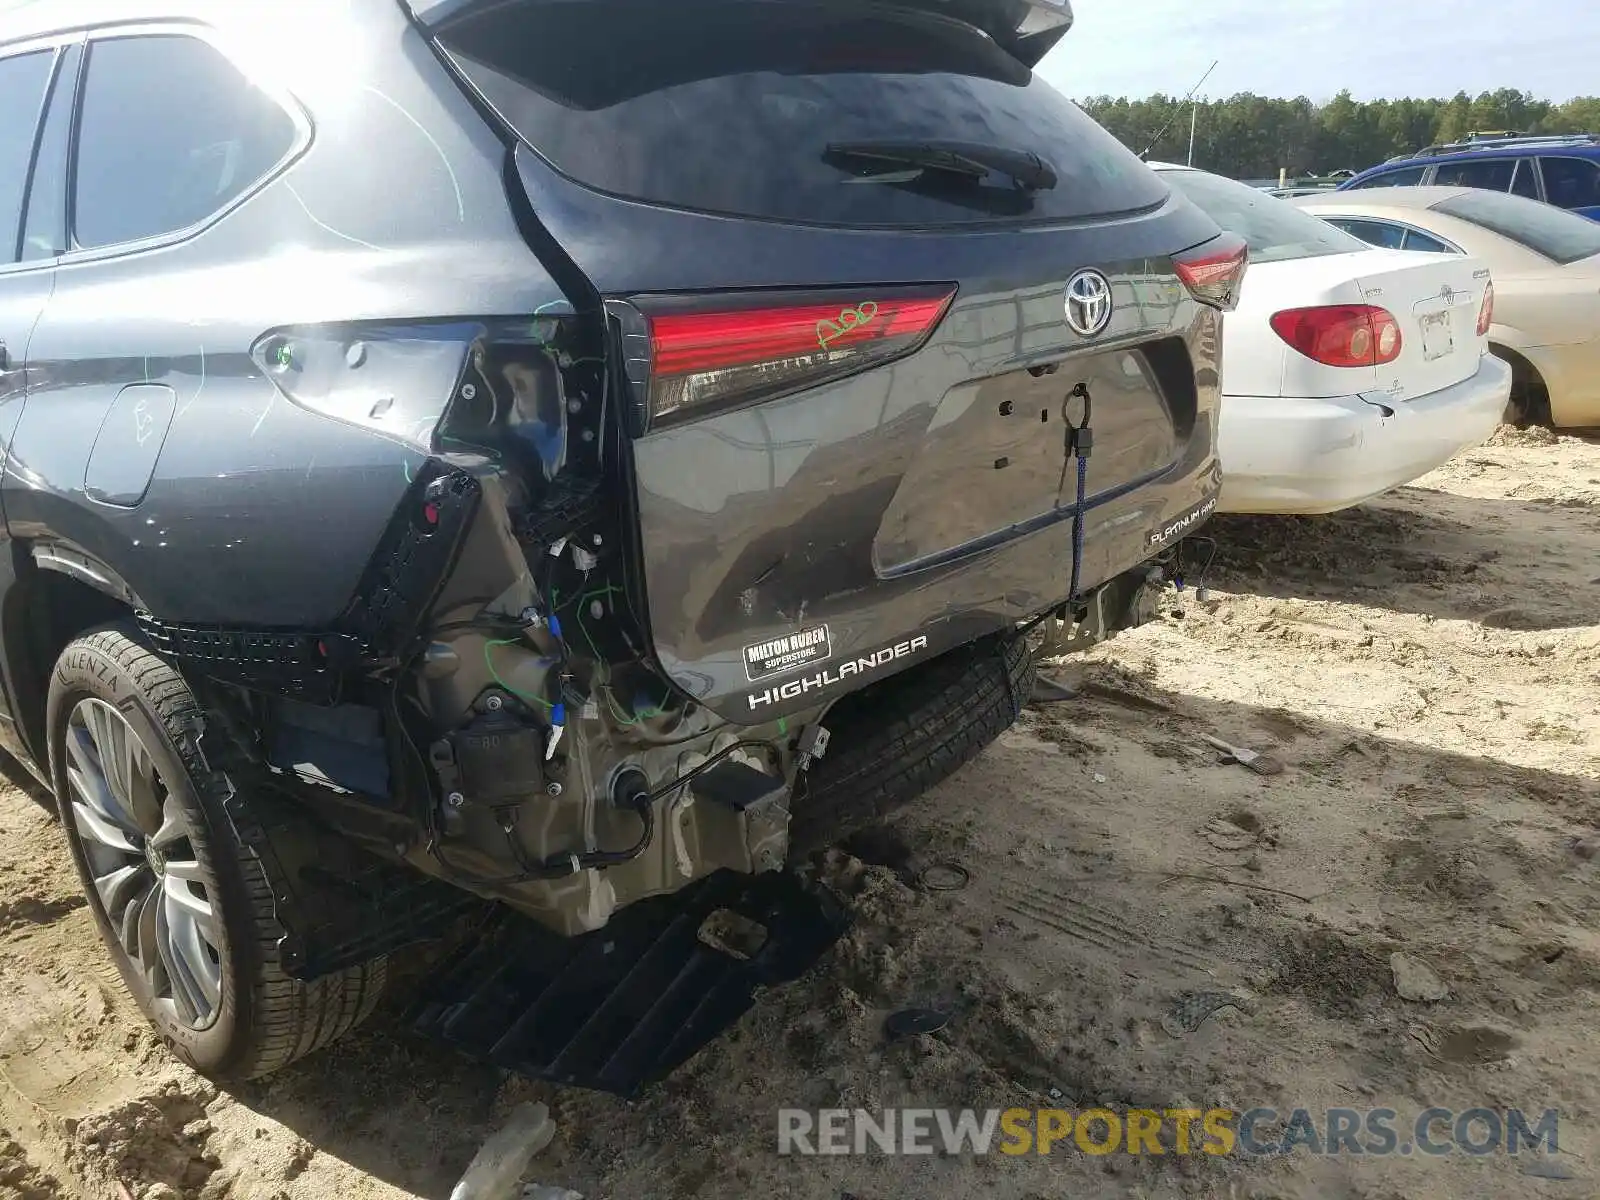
1486, 310
1214, 272
1341, 335
708, 355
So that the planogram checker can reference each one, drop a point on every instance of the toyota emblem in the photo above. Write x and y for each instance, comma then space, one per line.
1088, 303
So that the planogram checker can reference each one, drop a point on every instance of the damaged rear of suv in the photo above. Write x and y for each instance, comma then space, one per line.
550, 463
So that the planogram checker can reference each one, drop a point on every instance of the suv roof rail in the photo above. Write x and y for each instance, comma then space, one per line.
1471, 143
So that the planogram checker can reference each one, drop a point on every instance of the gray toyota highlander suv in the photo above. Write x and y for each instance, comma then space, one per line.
530, 470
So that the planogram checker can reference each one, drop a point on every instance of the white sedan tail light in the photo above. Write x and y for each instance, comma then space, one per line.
1341, 335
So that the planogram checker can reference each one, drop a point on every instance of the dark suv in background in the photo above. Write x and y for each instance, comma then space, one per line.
492, 464
1563, 170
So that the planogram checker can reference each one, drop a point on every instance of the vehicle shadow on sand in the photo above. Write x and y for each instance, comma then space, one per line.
19, 777
1115, 867
1085, 919
1516, 564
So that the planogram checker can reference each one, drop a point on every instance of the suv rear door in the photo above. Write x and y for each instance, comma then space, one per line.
709, 165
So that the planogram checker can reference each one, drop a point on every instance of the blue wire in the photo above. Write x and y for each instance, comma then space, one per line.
1077, 525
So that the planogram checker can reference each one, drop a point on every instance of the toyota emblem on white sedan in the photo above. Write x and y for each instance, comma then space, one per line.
1088, 302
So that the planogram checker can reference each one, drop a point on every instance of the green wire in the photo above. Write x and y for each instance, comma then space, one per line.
649, 711
581, 604
489, 662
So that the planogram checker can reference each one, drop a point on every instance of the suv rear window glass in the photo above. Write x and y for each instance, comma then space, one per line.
1275, 229
729, 106
44, 221
22, 83
169, 132
1542, 228
1494, 174
1526, 184
1572, 182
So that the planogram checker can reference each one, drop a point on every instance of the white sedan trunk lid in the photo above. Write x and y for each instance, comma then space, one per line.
1435, 299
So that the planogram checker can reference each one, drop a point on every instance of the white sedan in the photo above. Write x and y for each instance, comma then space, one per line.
1347, 370
1546, 266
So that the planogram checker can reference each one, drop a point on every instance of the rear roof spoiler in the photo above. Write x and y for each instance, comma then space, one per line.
1025, 29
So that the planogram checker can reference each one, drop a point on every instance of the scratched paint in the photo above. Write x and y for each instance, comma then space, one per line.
455, 184
321, 224
200, 387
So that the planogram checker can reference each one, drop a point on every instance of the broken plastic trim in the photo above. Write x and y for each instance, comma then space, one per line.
623, 1006
393, 379
430, 384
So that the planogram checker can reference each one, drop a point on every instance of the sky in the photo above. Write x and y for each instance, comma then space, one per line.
1379, 49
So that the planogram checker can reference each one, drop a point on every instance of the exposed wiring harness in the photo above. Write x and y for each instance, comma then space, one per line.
559, 866
695, 772
488, 662
636, 800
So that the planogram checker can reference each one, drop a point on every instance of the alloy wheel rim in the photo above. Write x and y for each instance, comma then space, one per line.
142, 861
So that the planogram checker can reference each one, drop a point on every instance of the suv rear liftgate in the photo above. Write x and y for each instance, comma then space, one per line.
872, 394
844, 287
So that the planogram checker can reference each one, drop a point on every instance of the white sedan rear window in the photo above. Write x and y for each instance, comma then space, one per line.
1276, 231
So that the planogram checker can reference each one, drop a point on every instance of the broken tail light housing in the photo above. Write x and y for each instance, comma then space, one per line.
1486, 310
687, 358
1341, 335
396, 379
433, 384
1214, 272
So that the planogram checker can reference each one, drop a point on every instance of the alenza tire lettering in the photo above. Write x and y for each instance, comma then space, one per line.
86, 661
795, 688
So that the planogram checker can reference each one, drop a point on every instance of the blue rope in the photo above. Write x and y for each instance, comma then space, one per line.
1080, 442
1077, 526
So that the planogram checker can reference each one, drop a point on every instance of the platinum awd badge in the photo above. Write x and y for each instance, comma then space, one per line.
1185, 522
774, 657
826, 678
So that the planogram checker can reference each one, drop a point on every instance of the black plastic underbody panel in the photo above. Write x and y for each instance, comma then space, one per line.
623, 1006
338, 904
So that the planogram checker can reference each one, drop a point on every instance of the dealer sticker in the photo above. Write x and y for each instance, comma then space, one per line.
778, 655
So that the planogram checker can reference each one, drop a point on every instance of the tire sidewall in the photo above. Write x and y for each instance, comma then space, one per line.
86, 669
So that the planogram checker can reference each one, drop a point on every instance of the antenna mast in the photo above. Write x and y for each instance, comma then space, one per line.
1194, 118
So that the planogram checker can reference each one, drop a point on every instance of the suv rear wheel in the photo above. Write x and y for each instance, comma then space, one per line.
183, 907
895, 740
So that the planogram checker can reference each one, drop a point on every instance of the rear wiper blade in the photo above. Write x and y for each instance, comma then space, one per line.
971, 159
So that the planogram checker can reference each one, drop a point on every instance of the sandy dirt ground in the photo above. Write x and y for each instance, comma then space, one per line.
1426, 667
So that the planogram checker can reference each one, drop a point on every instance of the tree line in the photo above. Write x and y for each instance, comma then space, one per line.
1252, 137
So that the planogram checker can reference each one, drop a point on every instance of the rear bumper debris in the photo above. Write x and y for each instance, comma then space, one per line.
621, 1007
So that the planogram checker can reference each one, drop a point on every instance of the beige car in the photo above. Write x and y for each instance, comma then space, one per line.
1546, 270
